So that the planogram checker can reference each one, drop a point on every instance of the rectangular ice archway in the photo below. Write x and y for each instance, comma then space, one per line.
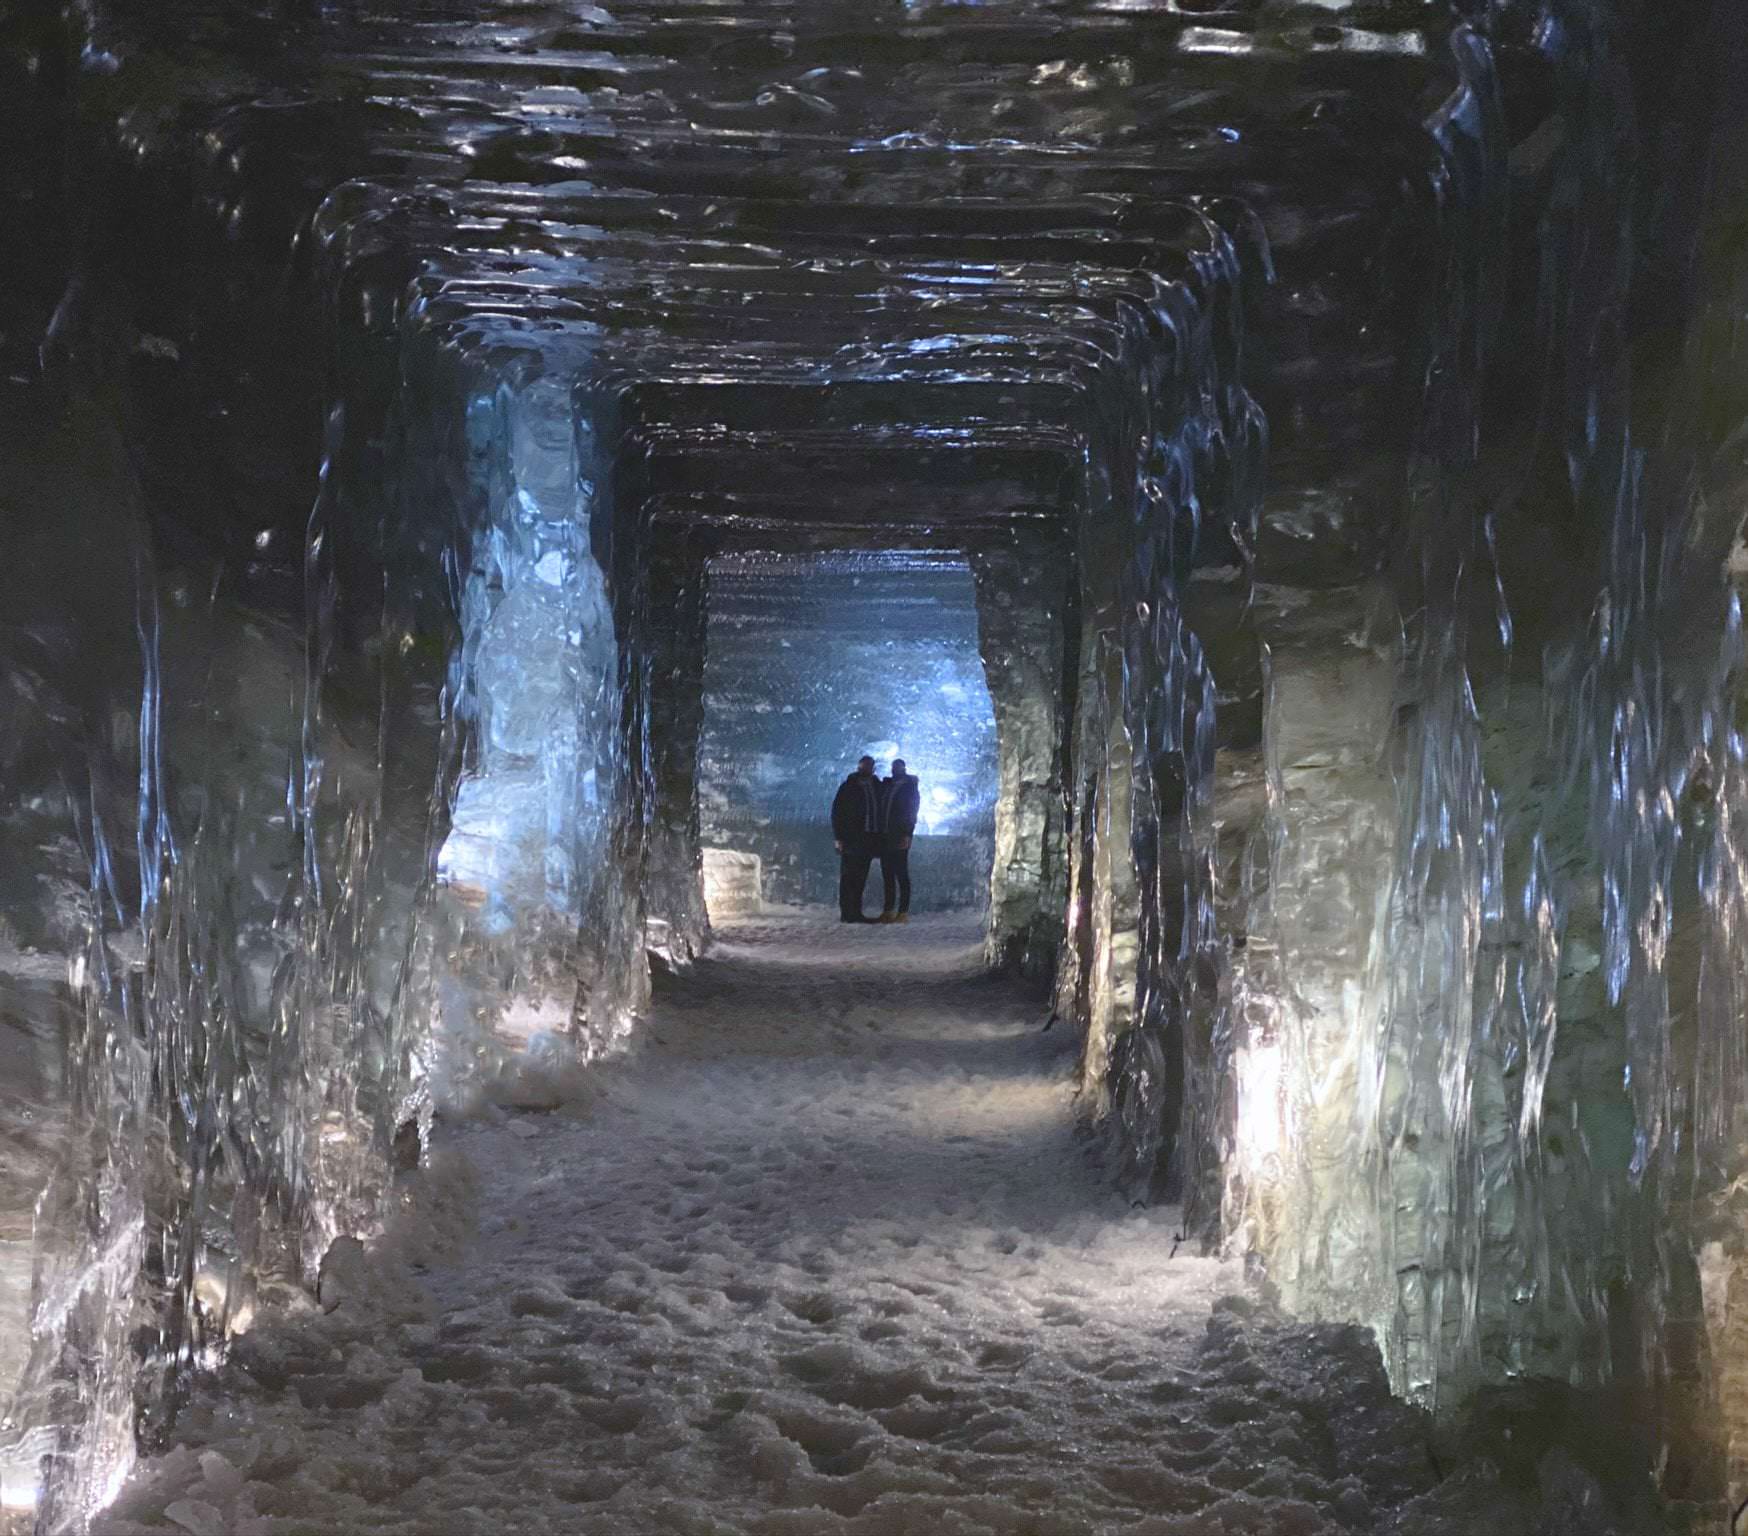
813, 659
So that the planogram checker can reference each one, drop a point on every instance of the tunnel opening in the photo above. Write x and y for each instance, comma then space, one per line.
812, 661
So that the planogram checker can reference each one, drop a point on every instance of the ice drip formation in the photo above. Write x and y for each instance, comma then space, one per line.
1319, 425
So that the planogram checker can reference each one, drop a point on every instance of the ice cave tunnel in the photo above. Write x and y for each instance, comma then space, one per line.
474, 476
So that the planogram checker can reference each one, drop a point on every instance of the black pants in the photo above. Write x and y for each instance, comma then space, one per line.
895, 876
853, 866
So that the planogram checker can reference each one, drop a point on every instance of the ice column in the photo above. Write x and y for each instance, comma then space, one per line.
673, 708
533, 811
1022, 599
1307, 991
1188, 496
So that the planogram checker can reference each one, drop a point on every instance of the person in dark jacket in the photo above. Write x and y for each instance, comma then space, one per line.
900, 800
856, 820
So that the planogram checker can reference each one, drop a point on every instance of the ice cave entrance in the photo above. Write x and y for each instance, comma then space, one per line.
811, 660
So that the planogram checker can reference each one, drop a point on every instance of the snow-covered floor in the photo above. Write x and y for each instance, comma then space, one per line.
825, 1256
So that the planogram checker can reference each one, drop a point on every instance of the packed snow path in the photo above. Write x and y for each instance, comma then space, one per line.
826, 1255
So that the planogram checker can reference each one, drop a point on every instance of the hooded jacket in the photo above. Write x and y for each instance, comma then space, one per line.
902, 802
856, 810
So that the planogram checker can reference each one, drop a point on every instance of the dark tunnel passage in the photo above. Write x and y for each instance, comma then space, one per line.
475, 475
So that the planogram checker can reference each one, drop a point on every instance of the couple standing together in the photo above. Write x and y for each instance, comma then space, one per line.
874, 818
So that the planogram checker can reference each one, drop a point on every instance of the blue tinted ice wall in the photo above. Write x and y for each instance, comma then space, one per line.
812, 660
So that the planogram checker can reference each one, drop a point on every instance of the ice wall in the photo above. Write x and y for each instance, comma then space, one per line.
1026, 625
815, 659
282, 889
74, 1161
1489, 1039
537, 677
1145, 952
675, 879
1356, 1042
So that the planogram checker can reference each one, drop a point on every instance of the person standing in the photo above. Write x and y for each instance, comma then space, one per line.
901, 800
856, 830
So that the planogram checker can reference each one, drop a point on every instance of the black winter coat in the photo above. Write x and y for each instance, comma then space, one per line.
856, 810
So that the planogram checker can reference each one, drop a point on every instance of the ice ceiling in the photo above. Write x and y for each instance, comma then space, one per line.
1338, 406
